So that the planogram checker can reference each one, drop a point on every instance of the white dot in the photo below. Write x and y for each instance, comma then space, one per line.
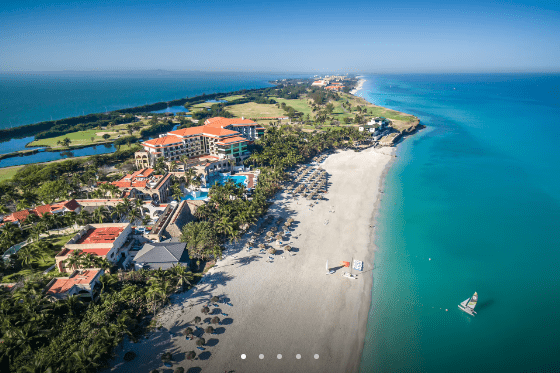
243, 356
279, 356
261, 356
298, 356
316, 356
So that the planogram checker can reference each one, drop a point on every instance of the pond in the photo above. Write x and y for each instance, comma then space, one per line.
44, 156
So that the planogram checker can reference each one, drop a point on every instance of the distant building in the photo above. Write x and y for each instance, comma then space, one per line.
111, 241
80, 282
319, 83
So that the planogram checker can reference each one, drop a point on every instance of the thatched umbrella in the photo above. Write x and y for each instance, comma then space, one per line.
200, 342
188, 331
269, 234
209, 330
214, 299
288, 248
273, 229
290, 220
197, 320
262, 246
215, 320
205, 310
191, 355
272, 251
287, 224
278, 237
166, 356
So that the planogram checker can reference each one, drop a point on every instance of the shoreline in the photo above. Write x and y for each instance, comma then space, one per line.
359, 87
274, 313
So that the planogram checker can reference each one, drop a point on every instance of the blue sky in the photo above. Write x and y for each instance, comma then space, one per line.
296, 36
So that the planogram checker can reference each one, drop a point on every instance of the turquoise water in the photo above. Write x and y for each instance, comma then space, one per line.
203, 195
221, 180
478, 192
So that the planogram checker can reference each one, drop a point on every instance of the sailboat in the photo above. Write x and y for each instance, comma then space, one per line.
469, 304
329, 272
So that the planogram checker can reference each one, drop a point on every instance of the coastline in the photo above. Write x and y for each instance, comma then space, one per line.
304, 313
358, 87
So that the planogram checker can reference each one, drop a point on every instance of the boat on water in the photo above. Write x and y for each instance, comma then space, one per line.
469, 304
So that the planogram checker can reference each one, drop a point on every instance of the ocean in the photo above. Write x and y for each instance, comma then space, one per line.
34, 97
472, 203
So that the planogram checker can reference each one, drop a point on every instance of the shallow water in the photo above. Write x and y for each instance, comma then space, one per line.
478, 193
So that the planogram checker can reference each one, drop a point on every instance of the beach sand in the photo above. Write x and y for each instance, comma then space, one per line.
358, 87
290, 306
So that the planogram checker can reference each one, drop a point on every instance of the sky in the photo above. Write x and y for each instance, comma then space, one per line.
280, 36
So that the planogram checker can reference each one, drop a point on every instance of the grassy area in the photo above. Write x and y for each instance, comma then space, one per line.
7, 173
300, 104
232, 97
58, 243
253, 110
79, 138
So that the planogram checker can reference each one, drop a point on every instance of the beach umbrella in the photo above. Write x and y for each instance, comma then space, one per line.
262, 246
279, 237
166, 356
290, 220
188, 331
215, 320
273, 229
214, 299
288, 248
209, 330
200, 342
287, 224
205, 310
197, 320
269, 234
272, 251
191, 355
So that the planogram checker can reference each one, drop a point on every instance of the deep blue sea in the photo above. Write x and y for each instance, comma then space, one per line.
478, 193
34, 97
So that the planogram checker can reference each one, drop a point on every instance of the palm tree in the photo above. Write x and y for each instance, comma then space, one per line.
146, 219
133, 215
107, 280
182, 276
100, 213
22, 205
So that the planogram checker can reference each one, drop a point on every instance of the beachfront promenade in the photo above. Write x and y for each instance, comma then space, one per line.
288, 307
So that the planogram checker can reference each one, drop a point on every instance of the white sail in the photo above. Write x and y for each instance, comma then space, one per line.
464, 303
472, 302
327, 265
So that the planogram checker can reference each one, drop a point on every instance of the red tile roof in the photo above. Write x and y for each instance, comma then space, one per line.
218, 131
221, 122
64, 284
188, 131
18, 216
165, 140
100, 235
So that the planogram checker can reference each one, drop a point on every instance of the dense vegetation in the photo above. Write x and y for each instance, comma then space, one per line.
71, 335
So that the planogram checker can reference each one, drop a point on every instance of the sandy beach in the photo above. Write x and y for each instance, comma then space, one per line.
297, 318
358, 87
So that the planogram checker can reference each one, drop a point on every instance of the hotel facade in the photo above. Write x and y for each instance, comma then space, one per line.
221, 138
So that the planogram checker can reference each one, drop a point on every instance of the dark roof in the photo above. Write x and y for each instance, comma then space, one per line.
163, 254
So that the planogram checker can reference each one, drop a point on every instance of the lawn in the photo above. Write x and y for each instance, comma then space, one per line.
7, 173
232, 97
58, 243
253, 110
300, 104
78, 138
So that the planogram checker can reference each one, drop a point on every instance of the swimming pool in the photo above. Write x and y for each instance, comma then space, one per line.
195, 196
221, 180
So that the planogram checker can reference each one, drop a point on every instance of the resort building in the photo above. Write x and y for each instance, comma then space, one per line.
145, 185
80, 282
222, 138
319, 83
56, 208
162, 255
111, 241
